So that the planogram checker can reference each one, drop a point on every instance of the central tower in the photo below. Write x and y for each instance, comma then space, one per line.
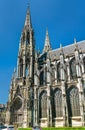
26, 50
20, 102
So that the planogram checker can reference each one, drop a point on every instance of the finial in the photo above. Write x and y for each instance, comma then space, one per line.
60, 45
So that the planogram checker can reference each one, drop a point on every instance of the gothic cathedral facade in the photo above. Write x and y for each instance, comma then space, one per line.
47, 89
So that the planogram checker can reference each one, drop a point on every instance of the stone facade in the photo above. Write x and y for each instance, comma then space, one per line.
47, 89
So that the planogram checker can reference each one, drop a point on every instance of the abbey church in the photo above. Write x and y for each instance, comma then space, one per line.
48, 88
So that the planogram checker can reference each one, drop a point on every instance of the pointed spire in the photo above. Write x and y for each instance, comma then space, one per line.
47, 45
28, 18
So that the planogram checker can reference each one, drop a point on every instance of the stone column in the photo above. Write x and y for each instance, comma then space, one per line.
8, 115
77, 57
44, 76
80, 85
78, 69
35, 120
81, 62
49, 107
63, 87
25, 118
25, 114
81, 99
64, 104
36, 83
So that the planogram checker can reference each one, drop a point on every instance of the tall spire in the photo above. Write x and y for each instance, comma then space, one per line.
28, 18
47, 46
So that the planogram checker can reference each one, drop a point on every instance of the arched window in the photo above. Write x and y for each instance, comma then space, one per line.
73, 68
58, 103
73, 102
43, 105
58, 72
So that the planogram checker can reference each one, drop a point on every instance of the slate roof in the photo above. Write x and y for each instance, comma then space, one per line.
67, 50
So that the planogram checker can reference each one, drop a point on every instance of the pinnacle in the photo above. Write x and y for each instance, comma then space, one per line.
47, 42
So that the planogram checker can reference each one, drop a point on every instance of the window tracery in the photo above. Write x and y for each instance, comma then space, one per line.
43, 105
58, 103
73, 103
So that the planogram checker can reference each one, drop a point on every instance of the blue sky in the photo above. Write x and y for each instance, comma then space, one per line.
65, 20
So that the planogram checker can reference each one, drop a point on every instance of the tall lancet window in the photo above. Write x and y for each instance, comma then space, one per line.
41, 77
58, 72
53, 74
43, 105
73, 102
58, 103
73, 68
